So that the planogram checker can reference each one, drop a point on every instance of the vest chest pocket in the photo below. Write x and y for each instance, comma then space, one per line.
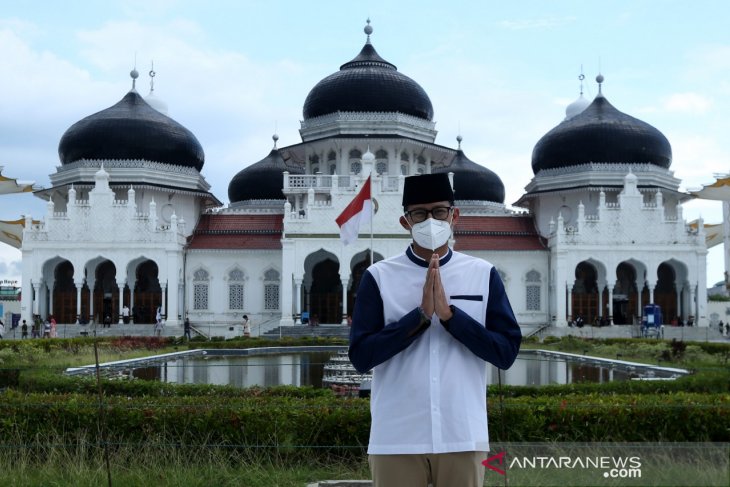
471, 304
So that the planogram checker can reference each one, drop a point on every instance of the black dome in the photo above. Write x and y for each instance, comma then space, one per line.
368, 83
131, 129
601, 133
262, 180
473, 182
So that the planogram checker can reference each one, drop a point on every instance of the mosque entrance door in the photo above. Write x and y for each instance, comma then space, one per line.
585, 293
147, 293
357, 272
106, 292
64, 293
665, 294
325, 294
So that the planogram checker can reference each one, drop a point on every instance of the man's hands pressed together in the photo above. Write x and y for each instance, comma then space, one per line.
434, 297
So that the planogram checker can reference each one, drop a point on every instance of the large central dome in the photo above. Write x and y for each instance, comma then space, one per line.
130, 130
601, 133
368, 83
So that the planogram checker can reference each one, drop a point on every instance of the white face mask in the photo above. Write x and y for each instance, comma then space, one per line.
431, 233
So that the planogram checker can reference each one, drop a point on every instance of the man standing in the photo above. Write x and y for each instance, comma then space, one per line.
186, 328
425, 322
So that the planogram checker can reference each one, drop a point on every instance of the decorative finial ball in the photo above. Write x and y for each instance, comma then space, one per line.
134, 74
368, 29
275, 137
459, 138
599, 78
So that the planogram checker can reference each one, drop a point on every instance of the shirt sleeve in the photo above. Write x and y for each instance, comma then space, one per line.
372, 342
499, 340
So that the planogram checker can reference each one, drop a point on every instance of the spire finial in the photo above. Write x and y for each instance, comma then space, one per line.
459, 138
581, 77
152, 78
275, 137
368, 30
599, 80
134, 74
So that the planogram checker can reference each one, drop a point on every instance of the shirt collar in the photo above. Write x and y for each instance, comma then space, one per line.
424, 263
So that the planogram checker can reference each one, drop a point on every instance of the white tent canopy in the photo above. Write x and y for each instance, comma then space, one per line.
10, 185
718, 191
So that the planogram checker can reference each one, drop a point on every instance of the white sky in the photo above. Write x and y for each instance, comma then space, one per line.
233, 72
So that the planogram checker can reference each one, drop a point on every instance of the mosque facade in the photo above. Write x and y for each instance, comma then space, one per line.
131, 221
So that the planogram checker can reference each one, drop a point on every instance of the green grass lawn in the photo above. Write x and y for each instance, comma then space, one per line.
49, 460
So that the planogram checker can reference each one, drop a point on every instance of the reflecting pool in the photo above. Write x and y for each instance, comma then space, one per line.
329, 366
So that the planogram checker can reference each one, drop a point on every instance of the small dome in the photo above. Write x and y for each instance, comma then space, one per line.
156, 103
576, 107
262, 180
601, 133
473, 182
131, 130
368, 83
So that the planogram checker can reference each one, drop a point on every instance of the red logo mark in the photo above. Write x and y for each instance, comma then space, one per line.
499, 457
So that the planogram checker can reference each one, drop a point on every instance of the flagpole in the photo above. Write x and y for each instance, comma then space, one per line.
372, 213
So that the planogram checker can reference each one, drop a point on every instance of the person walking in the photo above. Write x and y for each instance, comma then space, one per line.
246, 326
186, 328
426, 322
54, 332
24, 330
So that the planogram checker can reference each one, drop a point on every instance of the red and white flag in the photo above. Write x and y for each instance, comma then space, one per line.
357, 213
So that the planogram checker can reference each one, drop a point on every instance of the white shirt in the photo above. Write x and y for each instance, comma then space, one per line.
430, 396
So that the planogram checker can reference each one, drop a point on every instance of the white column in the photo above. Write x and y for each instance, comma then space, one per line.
344, 300
298, 299
601, 287
120, 285
726, 240
569, 293
651, 294
79, 285
91, 304
36, 297
679, 301
164, 302
693, 302
287, 281
639, 312
610, 304
131, 304
50, 299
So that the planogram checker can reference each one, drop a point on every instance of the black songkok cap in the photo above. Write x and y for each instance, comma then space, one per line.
427, 188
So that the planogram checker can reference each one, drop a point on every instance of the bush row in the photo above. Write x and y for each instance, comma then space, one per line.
331, 423
708, 382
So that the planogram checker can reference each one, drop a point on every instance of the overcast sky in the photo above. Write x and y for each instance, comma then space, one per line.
233, 72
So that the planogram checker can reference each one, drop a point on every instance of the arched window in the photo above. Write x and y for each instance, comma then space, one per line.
381, 161
355, 161
235, 289
201, 281
421, 169
314, 163
271, 290
331, 156
404, 169
533, 287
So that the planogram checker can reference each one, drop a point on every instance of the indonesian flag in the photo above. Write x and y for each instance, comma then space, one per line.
357, 213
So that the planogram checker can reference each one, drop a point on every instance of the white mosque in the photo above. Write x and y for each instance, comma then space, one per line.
130, 219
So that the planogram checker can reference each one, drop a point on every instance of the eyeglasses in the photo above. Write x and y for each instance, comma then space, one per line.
438, 213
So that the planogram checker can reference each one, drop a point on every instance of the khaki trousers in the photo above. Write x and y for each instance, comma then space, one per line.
459, 469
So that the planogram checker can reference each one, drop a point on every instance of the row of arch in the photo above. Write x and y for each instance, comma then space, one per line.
97, 291
619, 298
317, 165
